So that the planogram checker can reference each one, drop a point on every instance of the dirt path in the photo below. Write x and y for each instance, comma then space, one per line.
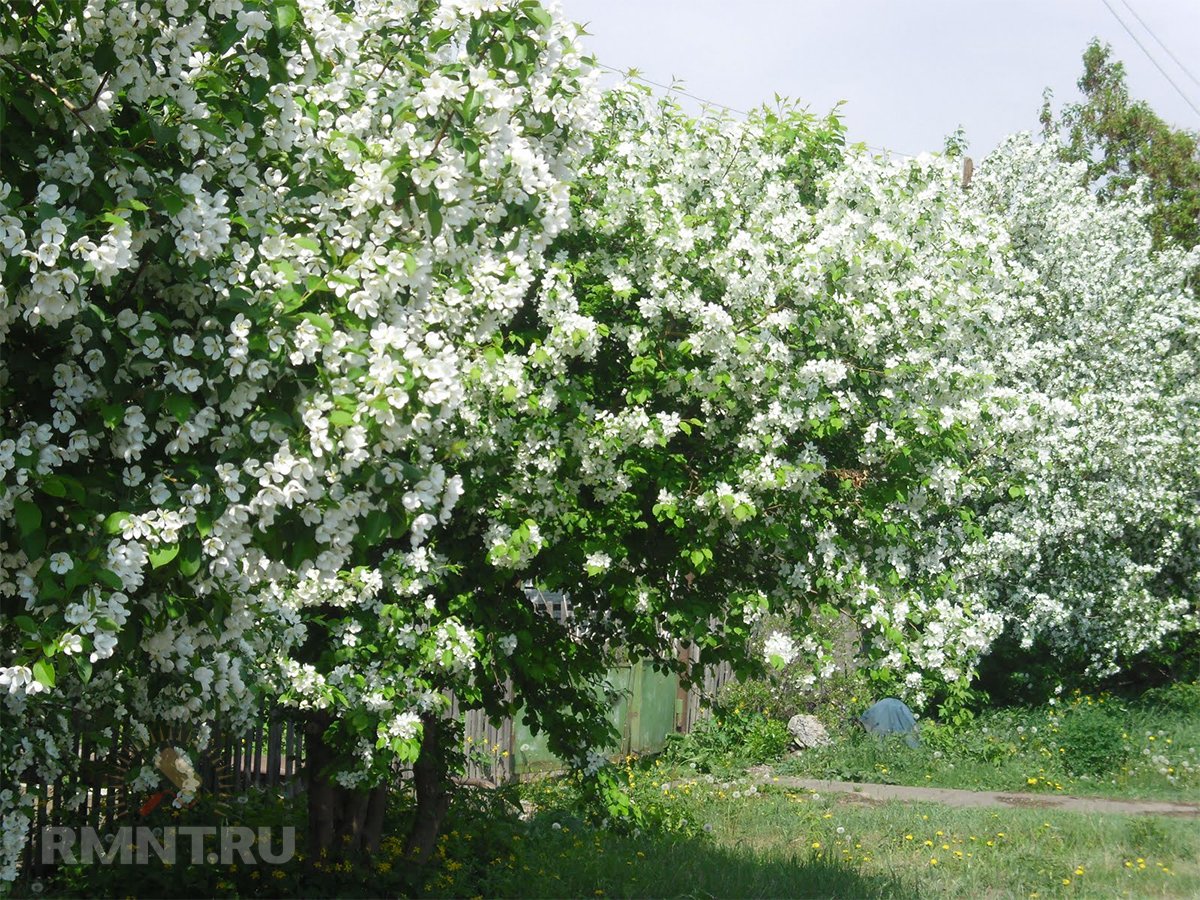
951, 797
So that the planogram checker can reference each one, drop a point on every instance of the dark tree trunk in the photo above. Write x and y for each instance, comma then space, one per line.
431, 785
342, 822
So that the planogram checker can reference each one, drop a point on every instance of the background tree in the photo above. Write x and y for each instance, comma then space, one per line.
1123, 140
1093, 558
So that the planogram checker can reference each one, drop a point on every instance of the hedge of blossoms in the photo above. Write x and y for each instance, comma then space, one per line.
738, 390
287, 280
249, 255
1097, 558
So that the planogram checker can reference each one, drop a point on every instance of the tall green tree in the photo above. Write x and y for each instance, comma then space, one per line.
1123, 140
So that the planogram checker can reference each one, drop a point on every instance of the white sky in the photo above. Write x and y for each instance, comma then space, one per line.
911, 71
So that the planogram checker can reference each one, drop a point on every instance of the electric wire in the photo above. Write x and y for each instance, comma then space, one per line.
635, 75
1150, 56
1166, 49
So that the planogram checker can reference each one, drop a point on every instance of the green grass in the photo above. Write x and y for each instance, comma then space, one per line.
707, 837
732, 839
1084, 745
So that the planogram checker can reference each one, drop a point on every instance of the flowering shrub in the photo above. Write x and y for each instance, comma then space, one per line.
721, 402
250, 255
1095, 555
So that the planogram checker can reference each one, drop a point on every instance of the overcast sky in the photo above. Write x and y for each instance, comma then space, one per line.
910, 71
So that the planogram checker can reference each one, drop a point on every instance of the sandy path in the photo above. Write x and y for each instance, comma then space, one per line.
952, 797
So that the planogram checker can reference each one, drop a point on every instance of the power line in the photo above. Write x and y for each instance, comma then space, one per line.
634, 74
1166, 49
1150, 56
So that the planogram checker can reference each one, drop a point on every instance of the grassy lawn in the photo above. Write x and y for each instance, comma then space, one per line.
732, 839
703, 836
1083, 745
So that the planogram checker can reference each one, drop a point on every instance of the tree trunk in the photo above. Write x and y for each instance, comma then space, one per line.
431, 785
342, 822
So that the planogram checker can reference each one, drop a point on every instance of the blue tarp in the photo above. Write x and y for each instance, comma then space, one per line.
891, 716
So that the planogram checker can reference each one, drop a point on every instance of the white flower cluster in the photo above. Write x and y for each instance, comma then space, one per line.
781, 646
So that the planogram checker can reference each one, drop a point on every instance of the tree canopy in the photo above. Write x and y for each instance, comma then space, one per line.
1126, 145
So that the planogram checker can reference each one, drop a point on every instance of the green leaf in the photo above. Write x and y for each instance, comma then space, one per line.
29, 516
26, 624
1016, 491
171, 201
539, 15
189, 557
163, 555
110, 578
180, 406
284, 15
43, 671
114, 523
105, 58
375, 526
54, 486
341, 418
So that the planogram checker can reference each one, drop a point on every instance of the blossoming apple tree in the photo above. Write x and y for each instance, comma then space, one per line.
1095, 557
250, 253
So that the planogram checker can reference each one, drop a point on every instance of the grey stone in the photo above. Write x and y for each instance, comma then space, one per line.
807, 732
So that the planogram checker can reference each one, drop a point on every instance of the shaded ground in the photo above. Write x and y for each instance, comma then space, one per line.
960, 798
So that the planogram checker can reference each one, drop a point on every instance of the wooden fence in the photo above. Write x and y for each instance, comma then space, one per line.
271, 756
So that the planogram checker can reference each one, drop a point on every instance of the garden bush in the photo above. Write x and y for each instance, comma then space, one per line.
1093, 740
728, 739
